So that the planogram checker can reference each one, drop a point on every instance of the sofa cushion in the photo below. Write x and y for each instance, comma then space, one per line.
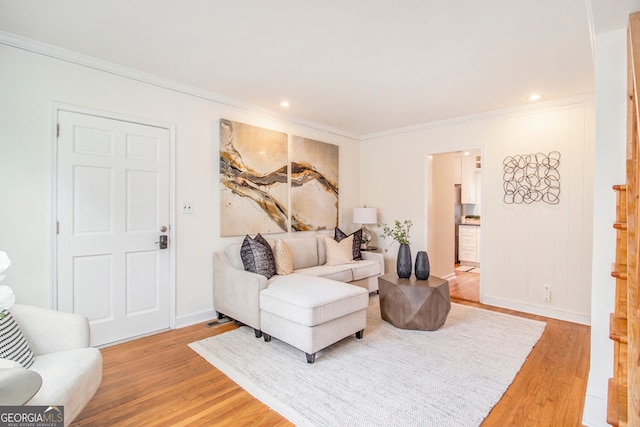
284, 258
339, 252
322, 252
13, 345
365, 268
304, 250
318, 301
257, 256
338, 235
341, 273
233, 255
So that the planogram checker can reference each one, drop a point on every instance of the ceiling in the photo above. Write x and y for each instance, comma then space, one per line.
358, 66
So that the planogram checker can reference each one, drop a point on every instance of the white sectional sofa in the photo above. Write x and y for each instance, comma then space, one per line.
315, 306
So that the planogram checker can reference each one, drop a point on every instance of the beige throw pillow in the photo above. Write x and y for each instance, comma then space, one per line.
339, 252
284, 258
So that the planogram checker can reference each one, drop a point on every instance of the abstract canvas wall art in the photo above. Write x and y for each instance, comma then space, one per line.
253, 179
530, 178
314, 184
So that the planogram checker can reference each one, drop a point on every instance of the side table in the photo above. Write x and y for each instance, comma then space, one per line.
18, 385
412, 303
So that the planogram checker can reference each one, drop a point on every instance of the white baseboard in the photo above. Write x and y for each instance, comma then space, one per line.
450, 277
595, 408
535, 309
194, 318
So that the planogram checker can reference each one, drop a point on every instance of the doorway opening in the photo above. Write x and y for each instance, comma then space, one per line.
454, 220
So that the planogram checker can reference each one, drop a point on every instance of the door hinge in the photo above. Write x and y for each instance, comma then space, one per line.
58, 130
57, 227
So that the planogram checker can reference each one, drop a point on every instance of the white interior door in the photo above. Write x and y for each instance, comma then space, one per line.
112, 207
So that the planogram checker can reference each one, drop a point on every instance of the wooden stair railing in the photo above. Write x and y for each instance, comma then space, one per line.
617, 393
633, 222
624, 327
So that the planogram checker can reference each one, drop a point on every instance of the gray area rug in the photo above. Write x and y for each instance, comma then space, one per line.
391, 377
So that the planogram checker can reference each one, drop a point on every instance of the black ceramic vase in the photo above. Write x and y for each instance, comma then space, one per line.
423, 269
403, 263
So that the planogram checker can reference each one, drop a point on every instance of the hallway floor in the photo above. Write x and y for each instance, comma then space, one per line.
466, 286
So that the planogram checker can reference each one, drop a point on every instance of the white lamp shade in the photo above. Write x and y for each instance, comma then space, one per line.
365, 216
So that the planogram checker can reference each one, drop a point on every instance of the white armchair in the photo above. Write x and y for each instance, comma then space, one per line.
71, 370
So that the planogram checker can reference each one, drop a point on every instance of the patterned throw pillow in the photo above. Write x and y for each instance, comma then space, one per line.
257, 256
339, 252
13, 345
284, 257
338, 235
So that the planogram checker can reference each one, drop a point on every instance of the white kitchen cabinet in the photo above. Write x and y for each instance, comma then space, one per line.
457, 170
468, 174
469, 244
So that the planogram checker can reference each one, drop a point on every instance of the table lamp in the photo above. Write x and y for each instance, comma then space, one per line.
365, 216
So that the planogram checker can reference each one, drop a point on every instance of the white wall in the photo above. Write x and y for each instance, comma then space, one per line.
523, 246
609, 169
31, 83
441, 215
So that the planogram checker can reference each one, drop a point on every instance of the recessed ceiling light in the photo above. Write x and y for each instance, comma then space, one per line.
535, 97
284, 104
466, 153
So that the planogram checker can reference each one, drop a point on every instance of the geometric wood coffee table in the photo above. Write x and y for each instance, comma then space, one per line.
412, 303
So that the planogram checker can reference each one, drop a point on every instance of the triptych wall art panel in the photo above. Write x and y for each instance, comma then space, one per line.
314, 185
256, 179
253, 179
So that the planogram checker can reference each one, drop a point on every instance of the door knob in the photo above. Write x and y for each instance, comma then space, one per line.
163, 228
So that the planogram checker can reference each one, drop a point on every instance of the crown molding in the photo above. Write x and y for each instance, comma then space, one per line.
496, 114
19, 42
66, 55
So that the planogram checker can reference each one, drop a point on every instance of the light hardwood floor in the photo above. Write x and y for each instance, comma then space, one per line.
466, 286
160, 381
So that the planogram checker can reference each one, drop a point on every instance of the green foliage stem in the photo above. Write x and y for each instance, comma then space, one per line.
399, 232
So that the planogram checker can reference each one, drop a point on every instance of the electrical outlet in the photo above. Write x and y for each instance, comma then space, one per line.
187, 208
547, 293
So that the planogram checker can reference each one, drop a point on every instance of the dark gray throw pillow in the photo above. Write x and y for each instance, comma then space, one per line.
257, 256
357, 239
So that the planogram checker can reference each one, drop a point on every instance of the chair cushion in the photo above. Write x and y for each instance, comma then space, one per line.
13, 345
310, 300
69, 378
6, 364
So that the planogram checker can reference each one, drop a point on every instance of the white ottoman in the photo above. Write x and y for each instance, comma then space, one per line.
311, 313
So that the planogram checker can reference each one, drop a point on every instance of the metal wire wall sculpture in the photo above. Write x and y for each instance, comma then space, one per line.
532, 178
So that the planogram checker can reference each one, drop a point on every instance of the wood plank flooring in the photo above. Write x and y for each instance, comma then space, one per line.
466, 286
160, 381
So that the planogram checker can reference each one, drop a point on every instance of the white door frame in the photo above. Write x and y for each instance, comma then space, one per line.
465, 147
56, 108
